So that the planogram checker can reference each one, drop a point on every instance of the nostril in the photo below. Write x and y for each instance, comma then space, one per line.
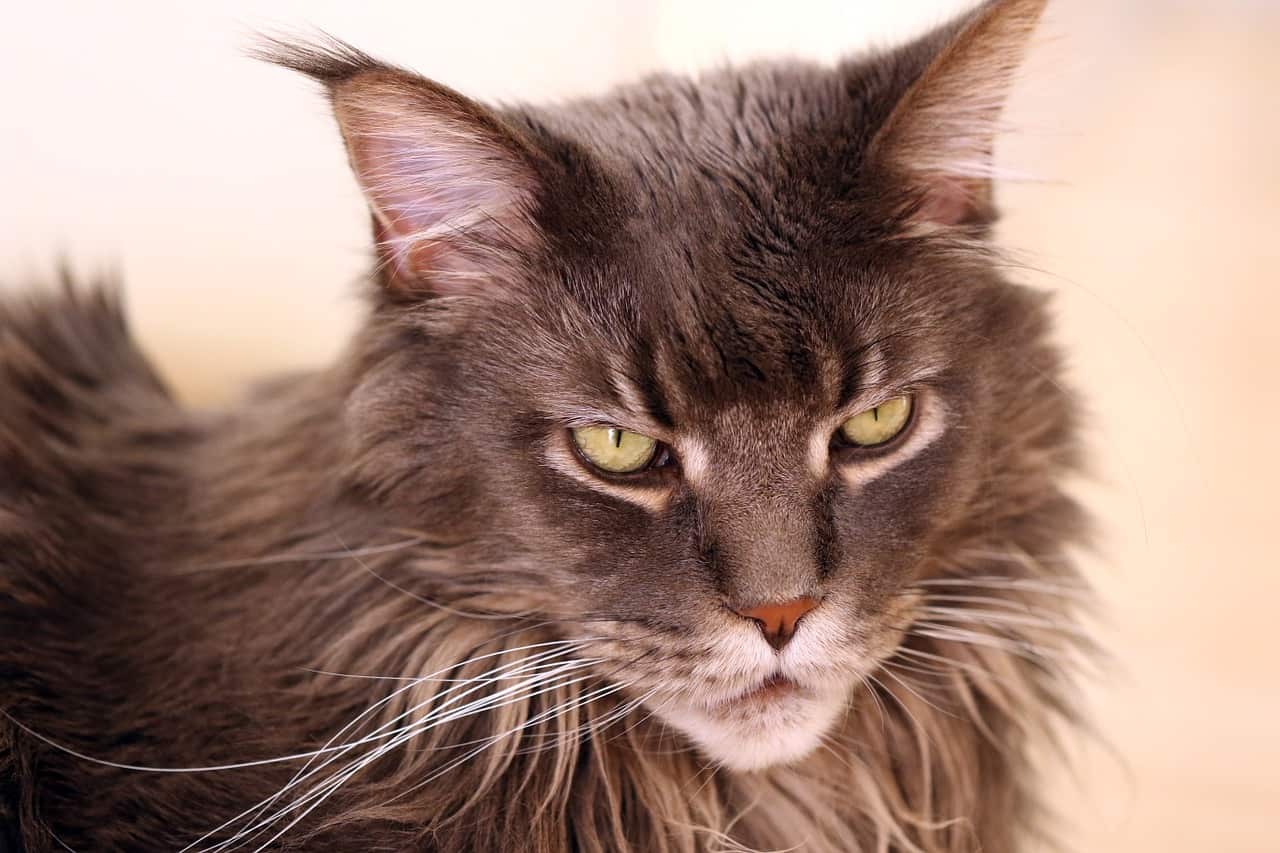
771, 635
778, 621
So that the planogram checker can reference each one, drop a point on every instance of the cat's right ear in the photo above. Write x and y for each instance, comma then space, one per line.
452, 188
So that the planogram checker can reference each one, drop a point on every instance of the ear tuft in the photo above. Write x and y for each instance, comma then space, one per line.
941, 135
452, 187
327, 60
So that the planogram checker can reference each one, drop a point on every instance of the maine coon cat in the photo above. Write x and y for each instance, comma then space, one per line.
694, 483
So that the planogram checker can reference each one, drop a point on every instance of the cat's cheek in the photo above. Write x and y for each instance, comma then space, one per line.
754, 736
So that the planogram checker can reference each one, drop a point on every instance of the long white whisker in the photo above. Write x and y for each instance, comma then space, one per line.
210, 768
603, 723
304, 557
453, 611
994, 617
910, 690
406, 733
501, 673
1077, 591
1022, 648
585, 699
434, 717
1018, 604
509, 670
320, 790
910, 716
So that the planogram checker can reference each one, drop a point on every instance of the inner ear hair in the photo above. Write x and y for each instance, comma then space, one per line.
939, 140
452, 187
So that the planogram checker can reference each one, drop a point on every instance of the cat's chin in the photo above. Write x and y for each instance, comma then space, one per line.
772, 725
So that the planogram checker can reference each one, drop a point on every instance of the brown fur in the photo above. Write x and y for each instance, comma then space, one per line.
187, 589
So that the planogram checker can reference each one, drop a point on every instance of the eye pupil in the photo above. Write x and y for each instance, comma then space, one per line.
614, 450
879, 424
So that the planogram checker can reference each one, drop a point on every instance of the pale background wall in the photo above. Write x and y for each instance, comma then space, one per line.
133, 136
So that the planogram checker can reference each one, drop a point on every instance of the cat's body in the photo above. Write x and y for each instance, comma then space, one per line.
189, 590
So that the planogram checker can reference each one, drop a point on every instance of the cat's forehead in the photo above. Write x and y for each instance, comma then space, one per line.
734, 276
668, 127
737, 315
705, 150
688, 345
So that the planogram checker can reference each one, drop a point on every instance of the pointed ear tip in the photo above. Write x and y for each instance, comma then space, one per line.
1028, 12
1018, 7
326, 60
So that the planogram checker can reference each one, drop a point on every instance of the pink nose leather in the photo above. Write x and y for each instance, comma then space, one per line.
778, 621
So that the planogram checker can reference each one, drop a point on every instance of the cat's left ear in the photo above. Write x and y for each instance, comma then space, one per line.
939, 138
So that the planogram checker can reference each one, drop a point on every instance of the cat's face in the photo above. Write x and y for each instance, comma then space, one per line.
752, 495
725, 274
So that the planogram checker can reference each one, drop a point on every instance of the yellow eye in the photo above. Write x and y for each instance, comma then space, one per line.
615, 450
878, 425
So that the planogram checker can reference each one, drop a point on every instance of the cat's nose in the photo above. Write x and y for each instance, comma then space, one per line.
778, 621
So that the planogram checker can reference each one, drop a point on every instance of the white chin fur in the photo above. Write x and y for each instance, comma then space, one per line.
752, 736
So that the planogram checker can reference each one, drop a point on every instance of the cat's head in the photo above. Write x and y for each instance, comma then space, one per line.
715, 367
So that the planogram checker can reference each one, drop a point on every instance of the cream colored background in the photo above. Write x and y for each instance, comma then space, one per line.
135, 137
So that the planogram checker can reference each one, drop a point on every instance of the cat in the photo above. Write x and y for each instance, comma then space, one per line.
696, 481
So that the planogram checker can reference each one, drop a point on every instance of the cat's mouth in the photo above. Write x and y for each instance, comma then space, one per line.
774, 688
776, 720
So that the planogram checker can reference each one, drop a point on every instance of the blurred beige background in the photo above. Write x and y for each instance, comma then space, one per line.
135, 137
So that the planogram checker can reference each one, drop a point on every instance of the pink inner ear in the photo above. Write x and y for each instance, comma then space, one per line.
409, 262
445, 185
430, 196
939, 139
947, 202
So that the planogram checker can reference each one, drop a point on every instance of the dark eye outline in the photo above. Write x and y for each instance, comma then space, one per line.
662, 460
846, 448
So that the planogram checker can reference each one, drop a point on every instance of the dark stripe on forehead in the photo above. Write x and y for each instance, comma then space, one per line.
649, 385
867, 359
851, 379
